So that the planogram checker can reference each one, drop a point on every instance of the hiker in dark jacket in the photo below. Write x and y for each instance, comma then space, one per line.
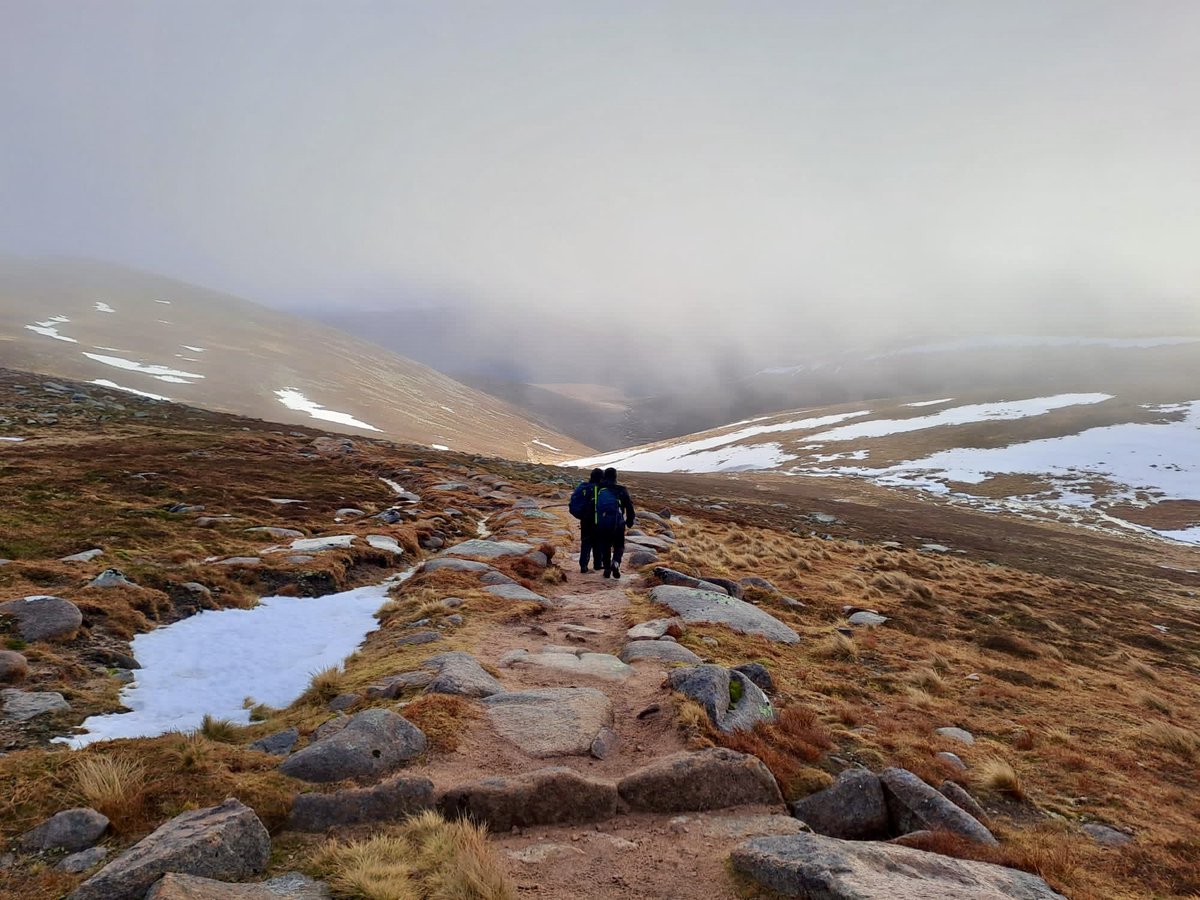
582, 507
614, 513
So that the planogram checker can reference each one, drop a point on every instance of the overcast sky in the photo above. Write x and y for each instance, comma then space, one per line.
957, 162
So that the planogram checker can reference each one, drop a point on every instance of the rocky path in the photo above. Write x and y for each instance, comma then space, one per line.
637, 855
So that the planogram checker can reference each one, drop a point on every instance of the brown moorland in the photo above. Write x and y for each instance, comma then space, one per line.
1072, 656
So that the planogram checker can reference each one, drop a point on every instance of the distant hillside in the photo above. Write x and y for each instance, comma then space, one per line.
151, 335
1128, 460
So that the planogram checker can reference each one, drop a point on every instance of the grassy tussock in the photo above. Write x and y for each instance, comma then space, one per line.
324, 686
443, 717
1180, 741
222, 731
837, 646
788, 746
426, 858
999, 776
111, 785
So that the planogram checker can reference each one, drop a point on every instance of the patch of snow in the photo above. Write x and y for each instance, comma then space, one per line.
12, 440
167, 302
104, 382
211, 662
49, 328
837, 457
1158, 460
666, 456
447, 409
163, 322
101, 306
439, 446
931, 402
960, 415
188, 358
111, 349
547, 446
162, 373
293, 399
193, 349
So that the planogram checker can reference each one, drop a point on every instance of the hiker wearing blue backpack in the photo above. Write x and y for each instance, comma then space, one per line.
583, 508
613, 514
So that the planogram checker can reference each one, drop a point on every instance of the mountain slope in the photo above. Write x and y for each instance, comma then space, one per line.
1126, 461
152, 335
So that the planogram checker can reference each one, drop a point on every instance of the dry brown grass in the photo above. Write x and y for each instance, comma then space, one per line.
1180, 741
426, 858
443, 717
999, 776
111, 785
324, 685
837, 646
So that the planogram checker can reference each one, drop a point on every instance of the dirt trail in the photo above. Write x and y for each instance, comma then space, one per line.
631, 856
590, 601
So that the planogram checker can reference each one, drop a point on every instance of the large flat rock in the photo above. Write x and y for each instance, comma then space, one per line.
574, 662
479, 549
226, 842
21, 706
545, 797
550, 721
292, 886
695, 606
373, 743
915, 806
394, 799
715, 778
825, 868
43, 618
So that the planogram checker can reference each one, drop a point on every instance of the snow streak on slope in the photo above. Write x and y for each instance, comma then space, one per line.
689, 456
293, 399
104, 382
162, 373
960, 415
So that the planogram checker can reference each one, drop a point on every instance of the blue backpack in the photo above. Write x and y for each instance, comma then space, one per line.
608, 507
581, 502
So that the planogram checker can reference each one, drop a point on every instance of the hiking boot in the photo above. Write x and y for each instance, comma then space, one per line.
583, 570
616, 571
608, 573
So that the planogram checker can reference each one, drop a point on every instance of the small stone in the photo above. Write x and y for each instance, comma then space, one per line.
757, 673
343, 702
958, 795
1106, 835
956, 734
43, 618
21, 706
951, 759
71, 830
420, 637
83, 860
85, 556
278, 744
604, 744
110, 578
13, 666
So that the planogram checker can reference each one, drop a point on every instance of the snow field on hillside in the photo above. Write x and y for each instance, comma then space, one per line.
211, 662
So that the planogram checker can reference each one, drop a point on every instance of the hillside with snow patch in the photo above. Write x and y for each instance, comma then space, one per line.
166, 340
1095, 458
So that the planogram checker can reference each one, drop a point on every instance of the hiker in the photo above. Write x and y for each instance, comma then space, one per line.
613, 514
582, 507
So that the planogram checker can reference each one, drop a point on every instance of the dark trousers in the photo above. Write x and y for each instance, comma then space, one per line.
611, 542
588, 547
